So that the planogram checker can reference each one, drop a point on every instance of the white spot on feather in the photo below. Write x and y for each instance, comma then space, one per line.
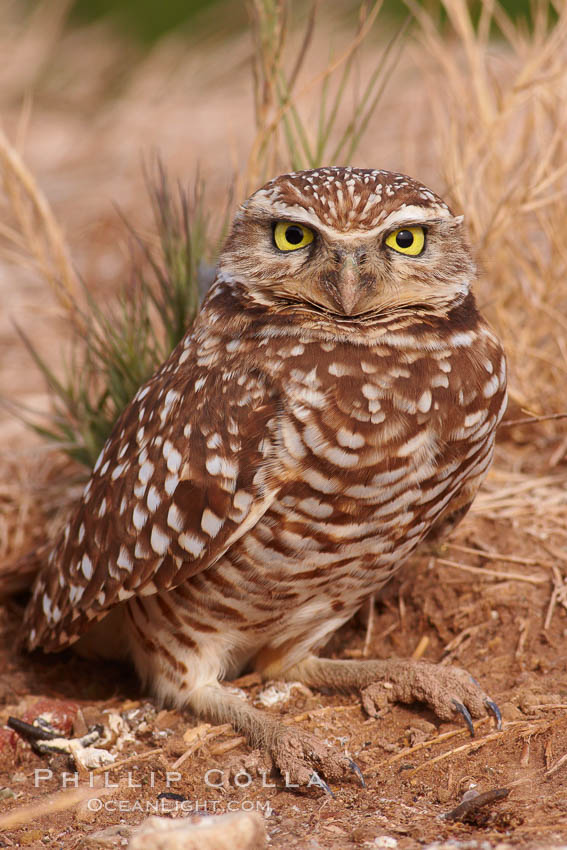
424, 402
474, 418
159, 540
191, 544
146, 471
46, 605
139, 517
87, 567
174, 460
211, 523
175, 518
370, 391
153, 499
75, 593
171, 483
214, 441
491, 387
117, 471
292, 440
124, 560
350, 439
315, 508
340, 457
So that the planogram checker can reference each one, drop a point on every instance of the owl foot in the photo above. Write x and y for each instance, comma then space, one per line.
446, 690
304, 759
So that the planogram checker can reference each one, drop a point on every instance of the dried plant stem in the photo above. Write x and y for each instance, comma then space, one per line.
496, 556
555, 767
42, 236
471, 746
59, 802
493, 573
423, 745
227, 746
127, 761
500, 119
276, 99
530, 420
558, 595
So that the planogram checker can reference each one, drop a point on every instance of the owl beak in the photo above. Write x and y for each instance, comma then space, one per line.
348, 285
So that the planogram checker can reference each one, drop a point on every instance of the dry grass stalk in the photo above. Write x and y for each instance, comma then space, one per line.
528, 728
421, 647
496, 556
370, 623
127, 761
38, 237
555, 767
422, 745
484, 571
59, 802
558, 595
227, 746
283, 137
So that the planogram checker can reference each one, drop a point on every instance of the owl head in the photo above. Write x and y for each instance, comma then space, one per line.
350, 243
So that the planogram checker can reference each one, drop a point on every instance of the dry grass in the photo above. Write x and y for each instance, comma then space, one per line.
36, 236
500, 127
288, 137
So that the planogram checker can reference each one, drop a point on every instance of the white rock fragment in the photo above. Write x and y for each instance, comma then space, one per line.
90, 757
279, 692
242, 830
117, 733
107, 839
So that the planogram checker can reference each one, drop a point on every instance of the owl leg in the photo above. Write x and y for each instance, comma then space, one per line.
302, 758
446, 690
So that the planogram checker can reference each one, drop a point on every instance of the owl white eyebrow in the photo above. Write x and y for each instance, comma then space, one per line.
410, 214
414, 215
411, 222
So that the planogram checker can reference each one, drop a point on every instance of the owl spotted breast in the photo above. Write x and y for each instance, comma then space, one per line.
334, 403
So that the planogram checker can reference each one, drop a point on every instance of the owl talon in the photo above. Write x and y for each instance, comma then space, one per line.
493, 708
462, 709
303, 759
445, 690
316, 780
355, 769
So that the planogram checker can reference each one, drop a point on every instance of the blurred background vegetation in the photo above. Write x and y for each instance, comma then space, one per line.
148, 20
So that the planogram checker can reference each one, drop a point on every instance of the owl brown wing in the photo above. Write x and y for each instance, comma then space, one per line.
184, 474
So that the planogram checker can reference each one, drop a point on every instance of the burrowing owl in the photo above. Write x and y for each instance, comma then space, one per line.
335, 401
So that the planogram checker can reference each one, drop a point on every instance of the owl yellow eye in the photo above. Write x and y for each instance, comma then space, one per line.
407, 240
289, 236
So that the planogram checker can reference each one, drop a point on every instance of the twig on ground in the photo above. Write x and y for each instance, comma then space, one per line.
496, 556
555, 767
492, 573
468, 807
58, 802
